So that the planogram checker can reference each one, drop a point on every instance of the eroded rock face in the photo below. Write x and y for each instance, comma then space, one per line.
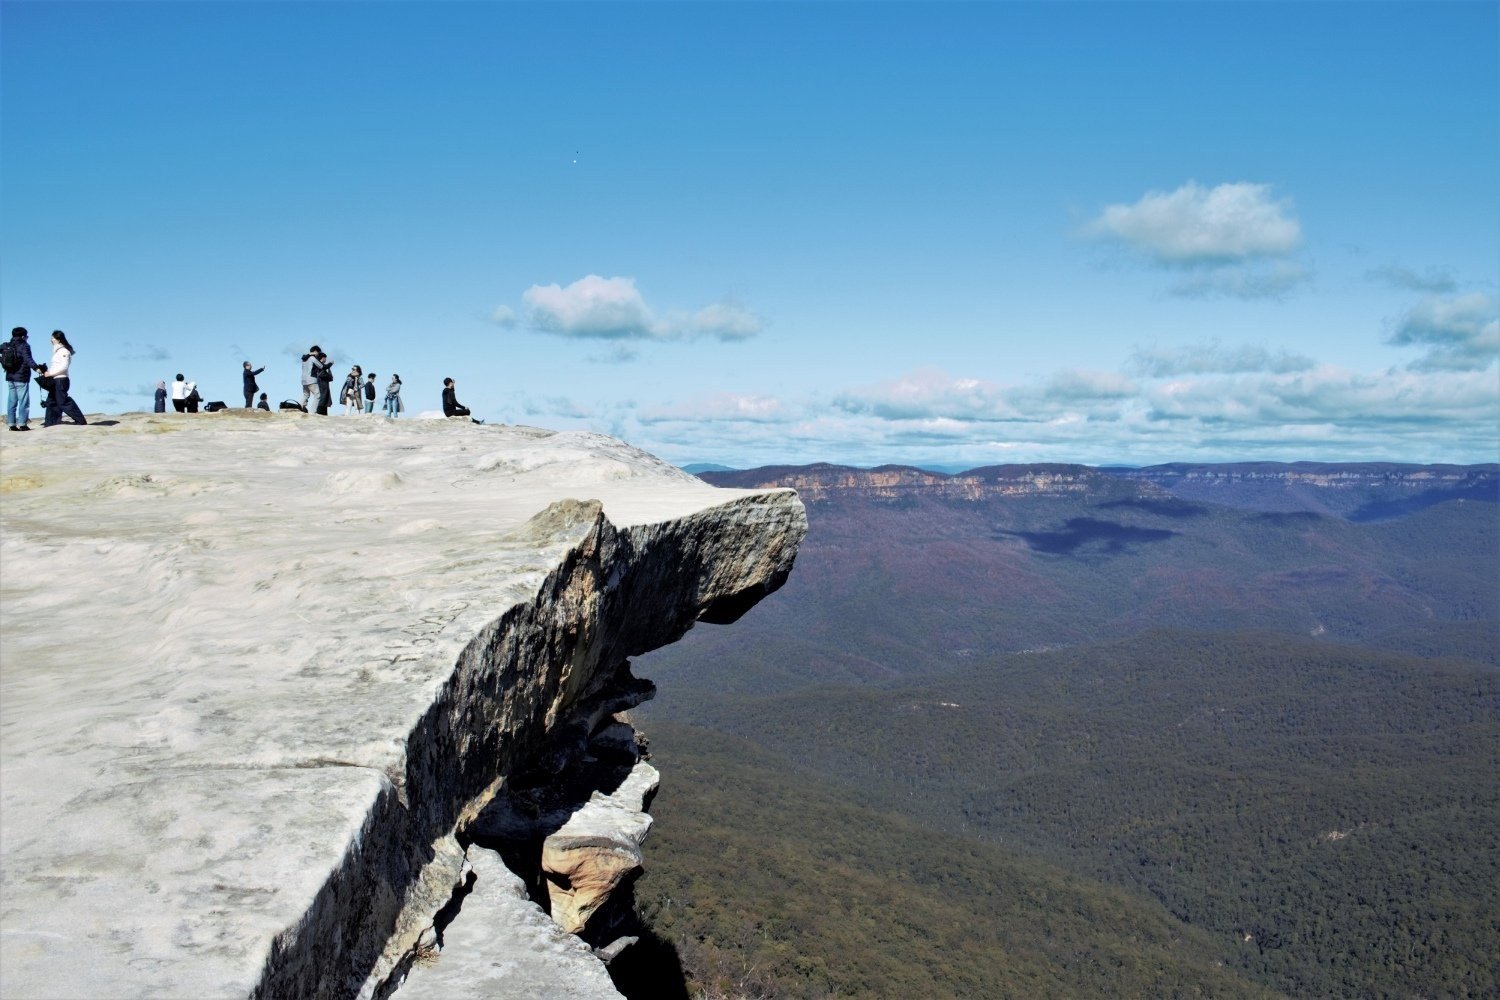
260, 674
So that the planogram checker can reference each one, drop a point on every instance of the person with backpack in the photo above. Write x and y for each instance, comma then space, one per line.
370, 393
59, 403
251, 388
15, 357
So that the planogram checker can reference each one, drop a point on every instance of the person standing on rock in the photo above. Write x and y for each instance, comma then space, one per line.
59, 403
393, 397
179, 394
18, 364
161, 397
323, 372
251, 388
309, 380
369, 390
349, 395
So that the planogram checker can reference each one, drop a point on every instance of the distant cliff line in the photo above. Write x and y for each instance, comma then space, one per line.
1365, 486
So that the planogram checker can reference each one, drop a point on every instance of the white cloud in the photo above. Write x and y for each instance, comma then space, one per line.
1330, 395
727, 320
503, 316
1214, 358
613, 309
1234, 240
1461, 333
593, 307
722, 407
929, 393
1272, 406
1195, 225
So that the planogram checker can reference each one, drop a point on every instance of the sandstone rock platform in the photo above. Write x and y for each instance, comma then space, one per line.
258, 672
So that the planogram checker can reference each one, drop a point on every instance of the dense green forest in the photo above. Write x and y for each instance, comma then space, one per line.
1333, 809
764, 882
1263, 738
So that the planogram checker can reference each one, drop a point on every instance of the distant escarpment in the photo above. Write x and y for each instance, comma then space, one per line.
301, 707
1358, 491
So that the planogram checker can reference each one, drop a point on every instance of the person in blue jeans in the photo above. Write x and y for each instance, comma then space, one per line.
393, 397
18, 367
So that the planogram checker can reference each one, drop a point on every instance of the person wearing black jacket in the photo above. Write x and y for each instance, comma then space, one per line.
451, 406
323, 372
19, 364
250, 386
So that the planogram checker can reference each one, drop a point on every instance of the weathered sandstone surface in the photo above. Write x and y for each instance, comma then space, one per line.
267, 681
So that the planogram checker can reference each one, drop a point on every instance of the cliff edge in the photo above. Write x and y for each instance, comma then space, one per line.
277, 692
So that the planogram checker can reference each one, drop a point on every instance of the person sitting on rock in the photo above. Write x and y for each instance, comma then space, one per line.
451, 406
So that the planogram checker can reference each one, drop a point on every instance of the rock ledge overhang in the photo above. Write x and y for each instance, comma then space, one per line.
257, 671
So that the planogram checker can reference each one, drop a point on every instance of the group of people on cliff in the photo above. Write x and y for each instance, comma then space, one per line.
357, 395
53, 378
359, 391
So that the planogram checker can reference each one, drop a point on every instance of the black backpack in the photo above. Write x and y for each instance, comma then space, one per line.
10, 357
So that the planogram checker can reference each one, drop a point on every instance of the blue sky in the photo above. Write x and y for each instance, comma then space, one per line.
749, 234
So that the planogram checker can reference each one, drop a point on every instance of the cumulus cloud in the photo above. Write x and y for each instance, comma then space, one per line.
1233, 240
934, 396
1329, 395
726, 320
1461, 333
1195, 226
928, 394
592, 307
722, 407
600, 308
1214, 358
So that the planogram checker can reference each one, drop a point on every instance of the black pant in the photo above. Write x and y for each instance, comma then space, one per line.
249, 398
60, 404
180, 405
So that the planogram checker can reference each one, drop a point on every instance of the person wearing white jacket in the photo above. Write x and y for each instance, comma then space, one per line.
59, 403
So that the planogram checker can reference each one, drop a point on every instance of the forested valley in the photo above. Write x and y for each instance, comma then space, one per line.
995, 749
